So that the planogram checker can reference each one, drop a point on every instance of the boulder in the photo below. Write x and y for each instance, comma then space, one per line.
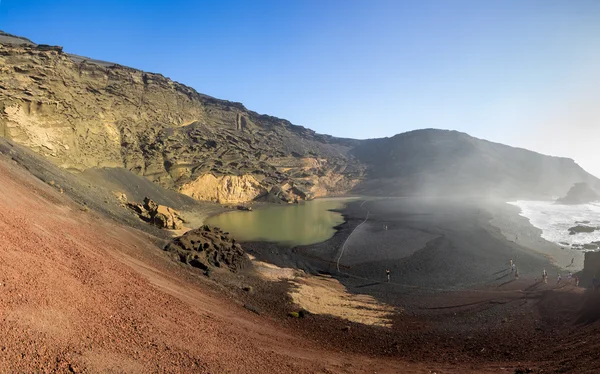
149, 204
581, 228
159, 215
208, 247
166, 217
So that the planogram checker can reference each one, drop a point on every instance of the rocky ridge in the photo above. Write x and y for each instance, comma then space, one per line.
82, 113
442, 163
580, 193
85, 114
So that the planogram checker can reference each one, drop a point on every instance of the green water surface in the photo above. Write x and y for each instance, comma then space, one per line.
302, 224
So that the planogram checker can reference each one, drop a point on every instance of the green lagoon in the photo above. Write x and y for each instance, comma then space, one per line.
298, 224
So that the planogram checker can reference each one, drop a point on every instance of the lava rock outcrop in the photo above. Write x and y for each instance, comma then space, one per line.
161, 216
582, 228
208, 247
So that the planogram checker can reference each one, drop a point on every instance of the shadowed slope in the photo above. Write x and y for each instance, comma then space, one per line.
82, 294
449, 163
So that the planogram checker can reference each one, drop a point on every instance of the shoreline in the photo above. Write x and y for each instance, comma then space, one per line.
429, 309
289, 225
486, 234
518, 229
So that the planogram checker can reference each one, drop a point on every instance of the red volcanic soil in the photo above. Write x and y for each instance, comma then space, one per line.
81, 293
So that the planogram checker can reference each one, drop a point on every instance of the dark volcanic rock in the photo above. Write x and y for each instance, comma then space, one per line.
581, 228
580, 193
208, 247
590, 246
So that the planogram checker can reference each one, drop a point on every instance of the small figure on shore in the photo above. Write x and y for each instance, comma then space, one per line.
511, 263
569, 277
512, 267
387, 274
576, 281
545, 276
559, 278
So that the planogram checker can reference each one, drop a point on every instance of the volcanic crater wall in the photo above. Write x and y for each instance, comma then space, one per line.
83, 114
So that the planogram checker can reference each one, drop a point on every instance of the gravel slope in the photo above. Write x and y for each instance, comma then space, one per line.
83, 294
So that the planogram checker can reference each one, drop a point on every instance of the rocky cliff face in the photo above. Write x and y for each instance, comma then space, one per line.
450, 163
580, 193
83, 114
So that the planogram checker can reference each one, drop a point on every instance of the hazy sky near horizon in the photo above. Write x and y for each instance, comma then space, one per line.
521, 72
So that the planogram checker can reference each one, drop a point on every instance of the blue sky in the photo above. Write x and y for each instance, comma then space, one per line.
524, 73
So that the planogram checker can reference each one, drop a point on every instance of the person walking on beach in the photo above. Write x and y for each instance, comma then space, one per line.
512, 268
545, 276
569, 277
576, 281
559, 278
387, 274
511, 263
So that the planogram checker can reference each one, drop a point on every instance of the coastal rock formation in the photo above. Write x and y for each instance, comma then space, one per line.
582, 228
208, 247
580, 193
161, 216
444, 163
82, 113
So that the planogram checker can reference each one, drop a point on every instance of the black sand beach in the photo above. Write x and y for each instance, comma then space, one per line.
430, 245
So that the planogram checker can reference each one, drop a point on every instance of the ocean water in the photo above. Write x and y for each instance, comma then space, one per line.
555, 220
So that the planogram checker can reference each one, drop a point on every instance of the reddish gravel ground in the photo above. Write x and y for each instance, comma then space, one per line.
80, 293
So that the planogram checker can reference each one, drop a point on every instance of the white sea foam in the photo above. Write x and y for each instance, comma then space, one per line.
555, 220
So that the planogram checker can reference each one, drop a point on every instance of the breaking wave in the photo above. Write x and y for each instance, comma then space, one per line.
555, 220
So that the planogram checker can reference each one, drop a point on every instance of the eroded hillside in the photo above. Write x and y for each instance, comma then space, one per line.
84, 114
450, 163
